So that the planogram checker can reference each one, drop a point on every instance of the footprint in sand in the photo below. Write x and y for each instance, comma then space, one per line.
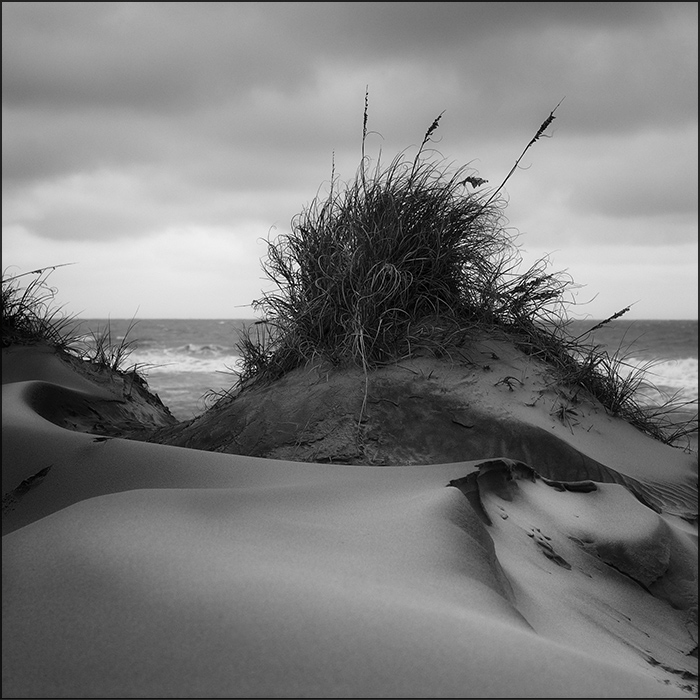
543, 542
12, 498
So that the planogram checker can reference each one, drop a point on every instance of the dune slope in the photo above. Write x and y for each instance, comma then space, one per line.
539, 559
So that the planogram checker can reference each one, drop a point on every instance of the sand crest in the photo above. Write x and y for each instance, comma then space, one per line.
529, 556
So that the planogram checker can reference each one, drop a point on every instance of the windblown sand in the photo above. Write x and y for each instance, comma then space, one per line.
506, 546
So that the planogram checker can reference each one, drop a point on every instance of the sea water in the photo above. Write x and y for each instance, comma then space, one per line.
188, 363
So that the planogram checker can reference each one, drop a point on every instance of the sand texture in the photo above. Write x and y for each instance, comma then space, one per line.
453, 527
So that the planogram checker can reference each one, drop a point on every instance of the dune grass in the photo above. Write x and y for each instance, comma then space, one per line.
416, 255
30, 315
29, 312
365, 271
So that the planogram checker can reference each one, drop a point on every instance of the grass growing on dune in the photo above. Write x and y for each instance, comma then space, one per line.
29, 312
367, 274
30, 315
618, 384
415, 255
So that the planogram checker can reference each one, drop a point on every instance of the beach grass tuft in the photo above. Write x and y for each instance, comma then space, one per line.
365, 270
30, 315
405, 257
368, 273
106, 351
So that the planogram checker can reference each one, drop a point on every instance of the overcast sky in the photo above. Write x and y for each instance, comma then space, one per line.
157, 145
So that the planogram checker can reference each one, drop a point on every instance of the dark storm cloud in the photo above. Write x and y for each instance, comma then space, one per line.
128, 126
143, 56
73, 140
179, 56
242, 96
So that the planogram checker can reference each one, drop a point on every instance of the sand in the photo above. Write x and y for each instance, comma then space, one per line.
504, 547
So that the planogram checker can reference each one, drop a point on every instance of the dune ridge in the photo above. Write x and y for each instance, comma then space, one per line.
551, 559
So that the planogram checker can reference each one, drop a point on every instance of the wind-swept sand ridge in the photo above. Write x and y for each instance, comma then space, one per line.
490, 400
133, 569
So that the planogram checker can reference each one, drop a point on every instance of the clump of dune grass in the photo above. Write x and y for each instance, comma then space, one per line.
415, 255
106, 351
368, 273
618, 384
30, 315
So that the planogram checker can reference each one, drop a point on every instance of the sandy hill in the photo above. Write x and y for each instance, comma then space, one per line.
453, 527
484, 400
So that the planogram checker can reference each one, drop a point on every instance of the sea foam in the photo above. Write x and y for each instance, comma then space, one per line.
677, 378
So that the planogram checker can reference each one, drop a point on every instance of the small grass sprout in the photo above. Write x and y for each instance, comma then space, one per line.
106, 351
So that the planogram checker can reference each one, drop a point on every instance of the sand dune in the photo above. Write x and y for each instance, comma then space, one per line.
540, 559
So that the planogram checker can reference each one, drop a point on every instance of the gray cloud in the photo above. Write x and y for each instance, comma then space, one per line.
161, 57
252, 99
170, 57
652, 175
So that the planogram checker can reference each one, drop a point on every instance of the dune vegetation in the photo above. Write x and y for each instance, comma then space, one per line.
423, 483
29, 312
411, 258
416, 256
30, 315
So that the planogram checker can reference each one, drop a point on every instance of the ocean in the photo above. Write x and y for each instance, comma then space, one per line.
184, 361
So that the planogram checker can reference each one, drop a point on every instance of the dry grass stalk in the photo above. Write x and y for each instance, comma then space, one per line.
403, 260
